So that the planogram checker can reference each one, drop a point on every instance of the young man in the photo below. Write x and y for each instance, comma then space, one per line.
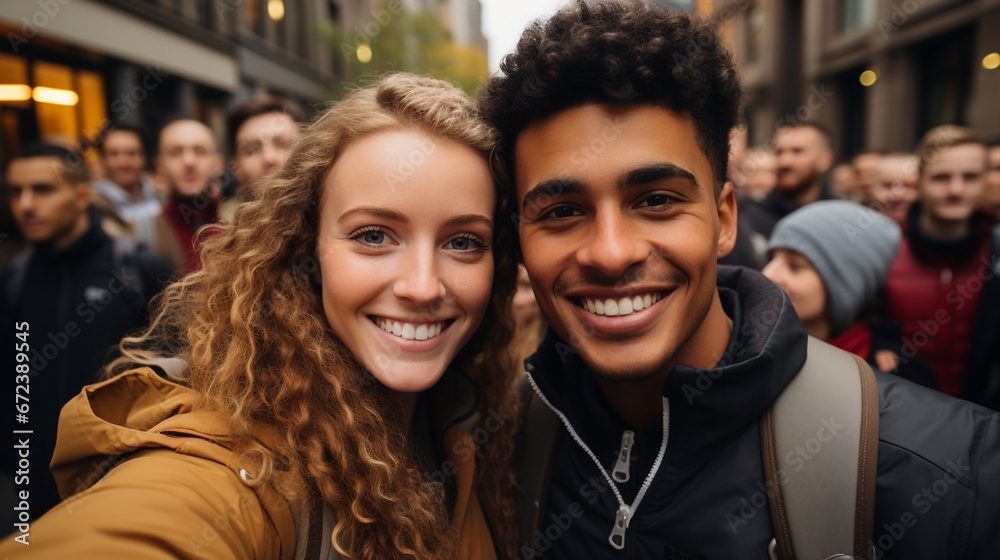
261, 133
943, 288
895, 185
803, 154
126, 186
187, 158
74, 294
614, 120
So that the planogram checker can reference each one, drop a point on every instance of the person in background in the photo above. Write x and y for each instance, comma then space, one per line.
125, 185
833, 274
865, 164
844, 182
190, 164
803, 152
261, 134
758, 173
75, 290
943, 288
991, 195
895, 185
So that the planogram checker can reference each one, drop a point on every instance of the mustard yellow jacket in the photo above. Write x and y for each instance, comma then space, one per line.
146, 476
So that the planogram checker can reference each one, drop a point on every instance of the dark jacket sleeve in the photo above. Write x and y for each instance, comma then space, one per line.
984, 541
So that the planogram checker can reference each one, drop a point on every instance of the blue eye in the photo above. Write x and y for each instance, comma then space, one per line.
373, 237
466, 244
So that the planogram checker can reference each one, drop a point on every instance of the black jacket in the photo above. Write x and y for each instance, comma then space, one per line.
938, 486
77, 305
764, 214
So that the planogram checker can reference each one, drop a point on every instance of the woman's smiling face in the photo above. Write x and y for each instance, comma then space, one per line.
405, 253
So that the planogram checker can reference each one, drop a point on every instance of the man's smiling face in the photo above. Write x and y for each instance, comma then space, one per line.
620, 232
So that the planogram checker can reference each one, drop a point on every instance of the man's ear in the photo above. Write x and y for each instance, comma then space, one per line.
84, 195
825, 160
726, 206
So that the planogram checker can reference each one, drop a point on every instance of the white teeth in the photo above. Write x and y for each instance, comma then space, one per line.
619, 307
625, 306
611, 308
410, 331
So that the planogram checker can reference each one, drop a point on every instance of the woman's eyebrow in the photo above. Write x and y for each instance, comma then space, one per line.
384, 213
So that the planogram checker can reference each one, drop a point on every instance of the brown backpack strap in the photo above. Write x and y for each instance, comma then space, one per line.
820, 450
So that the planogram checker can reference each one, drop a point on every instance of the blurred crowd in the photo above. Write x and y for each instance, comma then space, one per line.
891, 256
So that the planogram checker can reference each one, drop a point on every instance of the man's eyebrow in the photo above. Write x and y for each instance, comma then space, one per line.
655, 172
554, 187
384, 213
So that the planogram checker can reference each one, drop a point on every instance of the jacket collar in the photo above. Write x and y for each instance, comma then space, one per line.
707, 407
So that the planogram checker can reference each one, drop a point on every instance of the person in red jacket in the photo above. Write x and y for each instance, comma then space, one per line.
942, 288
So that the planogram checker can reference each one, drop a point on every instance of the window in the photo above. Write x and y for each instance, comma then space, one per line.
855, 15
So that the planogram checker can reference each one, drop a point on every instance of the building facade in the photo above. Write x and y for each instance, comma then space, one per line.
143, 62
879, 73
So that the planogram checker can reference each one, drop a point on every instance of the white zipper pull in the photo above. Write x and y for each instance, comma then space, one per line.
617, 538
621, 472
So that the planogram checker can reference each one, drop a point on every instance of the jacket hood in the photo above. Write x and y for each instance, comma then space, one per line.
765, 352
135, 410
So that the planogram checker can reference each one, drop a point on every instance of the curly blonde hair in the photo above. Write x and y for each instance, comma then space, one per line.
250, 326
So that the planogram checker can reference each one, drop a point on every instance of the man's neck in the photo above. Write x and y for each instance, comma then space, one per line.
944, 230
639, 403
79, 228
807, 195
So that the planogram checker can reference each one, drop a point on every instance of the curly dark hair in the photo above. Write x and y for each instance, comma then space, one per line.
620, 52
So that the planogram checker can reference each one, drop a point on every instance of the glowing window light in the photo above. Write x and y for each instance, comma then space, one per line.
991, 61
364, 53
14, 92
868, 78
276, 9
55, 96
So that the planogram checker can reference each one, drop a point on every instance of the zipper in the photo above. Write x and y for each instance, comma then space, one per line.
621, 472
625, 511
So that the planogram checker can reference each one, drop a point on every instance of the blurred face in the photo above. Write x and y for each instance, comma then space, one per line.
48, 209
621, 246
991, 196
187, 158
866, 164
405, 258
794, 274
759, 174
895, 187
262, 143
123, 159
951, 185
802, 157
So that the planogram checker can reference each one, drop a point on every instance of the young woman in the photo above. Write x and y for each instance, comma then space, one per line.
832, 258
338, 381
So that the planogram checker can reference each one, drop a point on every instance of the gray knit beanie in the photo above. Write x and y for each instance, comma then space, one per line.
852, 248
